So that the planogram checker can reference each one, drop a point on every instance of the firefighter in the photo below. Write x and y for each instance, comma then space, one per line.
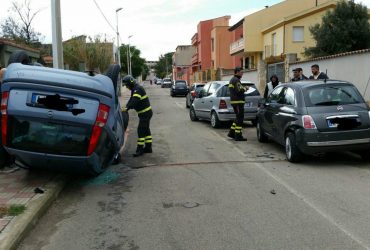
237, 100
140, 102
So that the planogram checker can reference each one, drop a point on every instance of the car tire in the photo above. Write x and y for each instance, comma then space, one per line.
215, 122
292, 152
19, 56
254, 122
261, 136
117, 159
113, 73
193, 116
365, 155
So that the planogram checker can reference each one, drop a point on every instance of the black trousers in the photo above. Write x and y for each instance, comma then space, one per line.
143, 130
239, 119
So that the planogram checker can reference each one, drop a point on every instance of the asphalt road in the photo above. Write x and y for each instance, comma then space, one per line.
200, 190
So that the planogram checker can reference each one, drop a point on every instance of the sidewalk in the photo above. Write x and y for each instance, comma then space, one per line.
17, 188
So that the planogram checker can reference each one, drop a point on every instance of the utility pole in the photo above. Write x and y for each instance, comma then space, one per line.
118, 45
56, 28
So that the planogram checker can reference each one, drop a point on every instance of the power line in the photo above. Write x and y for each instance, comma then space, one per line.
101, 12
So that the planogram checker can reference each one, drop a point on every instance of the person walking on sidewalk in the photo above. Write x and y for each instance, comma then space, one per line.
237, 100
140, 102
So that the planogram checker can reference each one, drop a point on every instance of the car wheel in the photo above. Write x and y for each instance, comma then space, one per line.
261, 136
291, 150
117, 159
192, 115
254, 122
113, 73
365, 155
19, 56
215, 122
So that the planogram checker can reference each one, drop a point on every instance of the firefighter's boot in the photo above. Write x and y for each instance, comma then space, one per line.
231, 134
139, 151
148, 148
239, 137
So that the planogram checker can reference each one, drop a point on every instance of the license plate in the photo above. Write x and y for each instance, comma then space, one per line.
332, 125
248, 104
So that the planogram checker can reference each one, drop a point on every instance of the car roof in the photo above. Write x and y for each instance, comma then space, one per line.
17, 72
310, 83
227, 82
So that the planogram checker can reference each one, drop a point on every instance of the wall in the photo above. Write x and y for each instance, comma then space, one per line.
351, 67
204, 46
267, 41
183, 55
247, 76
256, 22
221, 54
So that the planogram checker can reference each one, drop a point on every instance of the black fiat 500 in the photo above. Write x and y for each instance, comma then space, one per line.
312, 117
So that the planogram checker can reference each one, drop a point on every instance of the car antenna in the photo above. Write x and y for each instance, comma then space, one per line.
326, 72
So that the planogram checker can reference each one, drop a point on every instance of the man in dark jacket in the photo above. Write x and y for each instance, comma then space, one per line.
298, 75
316, 74
140, 102
237, 100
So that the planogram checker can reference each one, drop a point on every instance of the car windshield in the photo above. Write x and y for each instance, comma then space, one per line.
332, 95
252, 91
180, 84
199, 87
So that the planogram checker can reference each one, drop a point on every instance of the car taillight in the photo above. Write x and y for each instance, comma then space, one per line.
193, 94
101, 120
222, 104
4, 116
308, 122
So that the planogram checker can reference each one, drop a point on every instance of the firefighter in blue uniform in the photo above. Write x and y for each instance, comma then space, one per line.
140, 102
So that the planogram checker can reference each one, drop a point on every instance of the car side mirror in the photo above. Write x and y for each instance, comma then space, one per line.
261, 102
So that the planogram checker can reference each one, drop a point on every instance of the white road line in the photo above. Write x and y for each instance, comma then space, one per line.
180, 105
297, 194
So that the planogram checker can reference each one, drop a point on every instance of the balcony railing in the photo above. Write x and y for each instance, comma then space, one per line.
270, 50
237, 46
195, 58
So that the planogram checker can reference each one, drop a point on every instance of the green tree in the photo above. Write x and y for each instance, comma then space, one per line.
138, 65
346, 28
96, 53
164, 65
19, 25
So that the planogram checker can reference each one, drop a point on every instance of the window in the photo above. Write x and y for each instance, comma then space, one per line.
298, 34
252, 63
275, 96
333, 95
213, 88
273, 45
213, 44
247, 63
289, 97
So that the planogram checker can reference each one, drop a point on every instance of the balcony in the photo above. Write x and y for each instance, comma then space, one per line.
194, 39
195, 58
237, 46
270, 50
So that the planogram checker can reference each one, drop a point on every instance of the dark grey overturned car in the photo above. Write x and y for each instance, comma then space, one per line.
61, 120
312, 117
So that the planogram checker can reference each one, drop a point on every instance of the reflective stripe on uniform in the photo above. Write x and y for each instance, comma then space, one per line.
238, 128
144, 110
141, 141
237, 102
143, 97
137, 95
231, 85
238, 131
149, 139
233, 126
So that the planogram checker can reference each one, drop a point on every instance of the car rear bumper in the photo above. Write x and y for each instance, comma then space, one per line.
61, 163
180, 92
229, 116
312, 142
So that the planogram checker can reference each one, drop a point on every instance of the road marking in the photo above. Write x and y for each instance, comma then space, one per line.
180, 105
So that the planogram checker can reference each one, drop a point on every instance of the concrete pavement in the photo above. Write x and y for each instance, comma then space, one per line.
200, 190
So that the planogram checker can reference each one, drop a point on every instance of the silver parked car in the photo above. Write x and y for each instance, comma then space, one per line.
167, 83
312, 117
213, 103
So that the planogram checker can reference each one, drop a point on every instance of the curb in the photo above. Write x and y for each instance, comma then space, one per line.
21, 225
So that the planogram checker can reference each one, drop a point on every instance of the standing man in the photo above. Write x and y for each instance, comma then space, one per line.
140, 102
301, 75
237, 100
316, 74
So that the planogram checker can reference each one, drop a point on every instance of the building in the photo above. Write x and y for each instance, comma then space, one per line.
209, 36
7, 47
181, 62
275, 35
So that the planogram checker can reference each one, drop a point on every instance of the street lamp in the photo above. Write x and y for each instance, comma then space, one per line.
118, 50
129, 57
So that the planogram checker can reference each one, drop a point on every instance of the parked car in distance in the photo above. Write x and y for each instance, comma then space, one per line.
159, 82
193, 92
312, 117
167, 83
61, 120
180, 87
213, 103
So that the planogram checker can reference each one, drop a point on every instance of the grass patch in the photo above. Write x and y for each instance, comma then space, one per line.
13, 210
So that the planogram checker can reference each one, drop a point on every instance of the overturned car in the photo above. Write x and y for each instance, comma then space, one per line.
60, 119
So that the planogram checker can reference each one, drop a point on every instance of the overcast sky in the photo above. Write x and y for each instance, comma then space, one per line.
157, 26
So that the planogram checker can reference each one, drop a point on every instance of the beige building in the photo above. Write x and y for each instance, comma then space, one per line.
181, 60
